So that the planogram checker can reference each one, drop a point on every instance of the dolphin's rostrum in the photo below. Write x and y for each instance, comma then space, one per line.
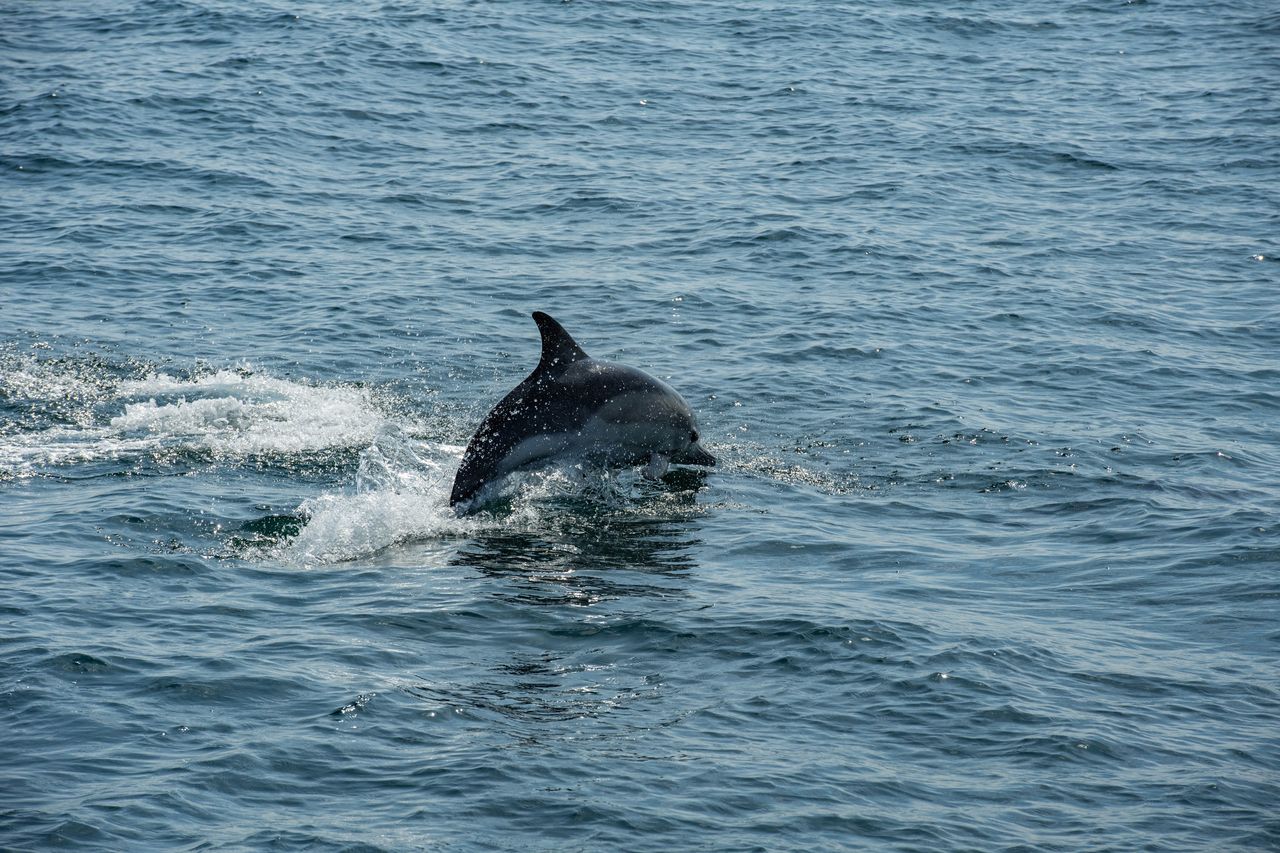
574, 406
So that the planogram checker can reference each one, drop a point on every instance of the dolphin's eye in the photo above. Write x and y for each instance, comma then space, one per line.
693, 436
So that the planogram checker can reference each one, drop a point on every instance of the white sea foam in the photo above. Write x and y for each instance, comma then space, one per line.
228, 414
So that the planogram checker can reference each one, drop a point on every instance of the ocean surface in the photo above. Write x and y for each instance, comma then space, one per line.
978, 306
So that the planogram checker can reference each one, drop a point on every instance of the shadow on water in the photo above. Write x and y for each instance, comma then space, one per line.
585, 559
589, 550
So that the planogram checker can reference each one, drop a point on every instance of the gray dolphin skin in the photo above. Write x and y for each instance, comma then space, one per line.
573, 406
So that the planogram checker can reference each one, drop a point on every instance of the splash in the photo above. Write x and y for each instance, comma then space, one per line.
401, 494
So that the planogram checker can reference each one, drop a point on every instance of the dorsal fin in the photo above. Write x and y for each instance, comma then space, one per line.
558, 348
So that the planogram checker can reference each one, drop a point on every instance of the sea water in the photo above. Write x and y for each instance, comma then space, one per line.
977, 305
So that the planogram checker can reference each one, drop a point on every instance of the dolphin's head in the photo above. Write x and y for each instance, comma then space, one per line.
685, 438
651, 418
693, 453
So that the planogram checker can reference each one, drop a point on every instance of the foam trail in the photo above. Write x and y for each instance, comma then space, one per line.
229, 415
236, 415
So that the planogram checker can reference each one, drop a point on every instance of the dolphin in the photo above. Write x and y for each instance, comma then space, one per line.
574, 406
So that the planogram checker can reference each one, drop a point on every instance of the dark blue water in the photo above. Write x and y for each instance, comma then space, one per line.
978, 308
